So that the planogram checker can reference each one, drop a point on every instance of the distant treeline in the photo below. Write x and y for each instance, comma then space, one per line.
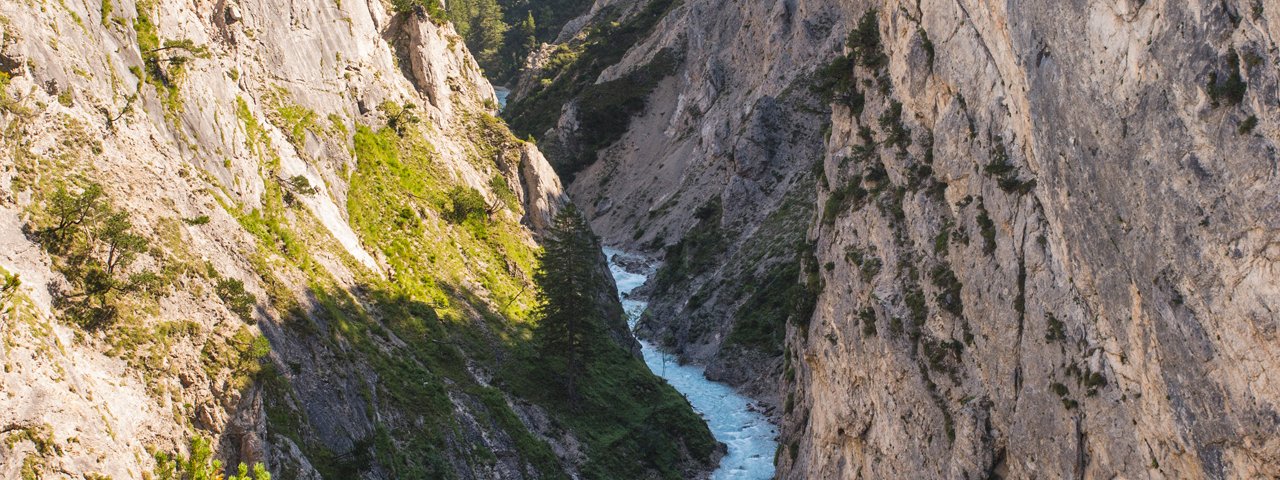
501, 33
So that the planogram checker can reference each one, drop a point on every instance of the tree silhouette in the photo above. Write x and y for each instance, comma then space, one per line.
568, 320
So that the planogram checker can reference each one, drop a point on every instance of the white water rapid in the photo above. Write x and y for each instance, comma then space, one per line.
751, 439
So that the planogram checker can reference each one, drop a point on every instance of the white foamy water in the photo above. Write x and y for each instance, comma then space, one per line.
750, 437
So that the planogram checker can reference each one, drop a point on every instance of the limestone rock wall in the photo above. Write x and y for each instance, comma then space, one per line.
244, 94
1052, 251
1110, 318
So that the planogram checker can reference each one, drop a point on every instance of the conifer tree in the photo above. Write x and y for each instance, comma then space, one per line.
568, 326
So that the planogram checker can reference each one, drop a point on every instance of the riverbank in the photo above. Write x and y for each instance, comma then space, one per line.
734, 419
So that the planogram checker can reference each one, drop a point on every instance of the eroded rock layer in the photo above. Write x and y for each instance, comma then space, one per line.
1026, 240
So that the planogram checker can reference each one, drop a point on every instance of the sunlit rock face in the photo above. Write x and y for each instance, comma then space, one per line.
197, 118
1045, 235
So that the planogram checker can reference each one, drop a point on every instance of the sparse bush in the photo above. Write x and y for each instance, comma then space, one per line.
949, 296
868, 317
1054, 330
864, 42
95, 248
400, 118
432, 8
697, 251
196, 221
850, 197
300, 185
896, 134
1246, 127
200, 465
1004, 171
1059, 389
465, 203
240, 302
988, 229
1231, 89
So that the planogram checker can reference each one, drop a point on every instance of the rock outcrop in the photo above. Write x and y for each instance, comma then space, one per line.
1044, 236
330, 237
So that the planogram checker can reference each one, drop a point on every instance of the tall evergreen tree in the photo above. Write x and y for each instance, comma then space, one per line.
568, 326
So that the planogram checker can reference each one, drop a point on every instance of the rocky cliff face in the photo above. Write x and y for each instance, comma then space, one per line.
1044, 236
330, 245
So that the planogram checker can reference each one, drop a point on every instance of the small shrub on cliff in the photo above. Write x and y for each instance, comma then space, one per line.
988, 229
864, 41
896, 134
465, 204
1054, 330
200, 465
94, 247
1246, 127
949, 289
400, 118
432, 8
300, 185
1230, 89
240, 302
850, 197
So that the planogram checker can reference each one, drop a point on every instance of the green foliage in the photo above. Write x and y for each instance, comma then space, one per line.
196, 221
9, 285
526, 25
300, 185
240, 302
694, 253
949, 289
634, 425
605, 109
498, 184
164, 62
1001, 168
241, 355
483, 27
105, 11
868, 318
1054, 331
466, 203
401, 118
779, 294
94, 246
259, 473
574, 75
868, 264
1229, 90
432, 8
1246, 127
850, 197
917, 309
864, 42
200, 465
837, 83
1094, 381
896, 134
293, 119
988, 230
942, 240
569, 324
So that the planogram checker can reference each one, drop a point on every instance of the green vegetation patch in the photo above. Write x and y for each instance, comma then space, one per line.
1227, 89
634, 424
572, 73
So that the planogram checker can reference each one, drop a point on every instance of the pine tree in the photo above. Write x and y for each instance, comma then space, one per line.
568, 325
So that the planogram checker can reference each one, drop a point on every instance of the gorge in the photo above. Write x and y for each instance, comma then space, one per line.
864, 239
